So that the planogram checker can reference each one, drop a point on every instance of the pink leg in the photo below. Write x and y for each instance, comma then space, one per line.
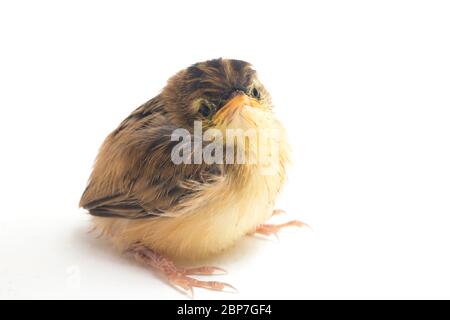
268, 229
178, 277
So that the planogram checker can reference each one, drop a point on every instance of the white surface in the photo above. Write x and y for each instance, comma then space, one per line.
363, 88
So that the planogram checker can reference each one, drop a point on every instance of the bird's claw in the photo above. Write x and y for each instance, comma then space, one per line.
179, 277
187, 284
207, 270
273, 229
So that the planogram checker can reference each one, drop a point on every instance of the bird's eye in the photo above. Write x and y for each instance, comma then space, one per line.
255, 93
206, 109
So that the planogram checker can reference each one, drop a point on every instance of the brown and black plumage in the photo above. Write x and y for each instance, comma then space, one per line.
158, 210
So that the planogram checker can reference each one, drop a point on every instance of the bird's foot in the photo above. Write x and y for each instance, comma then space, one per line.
269, 229
179, 277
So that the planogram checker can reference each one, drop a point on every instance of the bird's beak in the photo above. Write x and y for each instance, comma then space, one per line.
234, 105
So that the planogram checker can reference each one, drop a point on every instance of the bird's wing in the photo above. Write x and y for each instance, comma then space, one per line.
134, 176
118, 205
151, 199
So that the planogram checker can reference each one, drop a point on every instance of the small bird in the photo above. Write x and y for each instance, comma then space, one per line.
157, 208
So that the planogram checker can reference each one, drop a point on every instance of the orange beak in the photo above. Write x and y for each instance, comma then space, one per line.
234, 105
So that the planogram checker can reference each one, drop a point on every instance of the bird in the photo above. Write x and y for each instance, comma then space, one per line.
158, 209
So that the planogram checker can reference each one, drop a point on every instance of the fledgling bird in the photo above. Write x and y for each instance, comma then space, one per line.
159, 210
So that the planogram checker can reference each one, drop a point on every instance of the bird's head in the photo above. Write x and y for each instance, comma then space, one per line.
221, 93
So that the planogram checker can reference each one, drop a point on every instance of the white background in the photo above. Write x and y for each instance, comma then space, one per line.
362, 87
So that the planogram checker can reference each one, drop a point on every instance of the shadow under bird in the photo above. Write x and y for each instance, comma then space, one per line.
159, 210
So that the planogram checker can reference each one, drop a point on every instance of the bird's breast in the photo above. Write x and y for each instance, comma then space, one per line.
216, 218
